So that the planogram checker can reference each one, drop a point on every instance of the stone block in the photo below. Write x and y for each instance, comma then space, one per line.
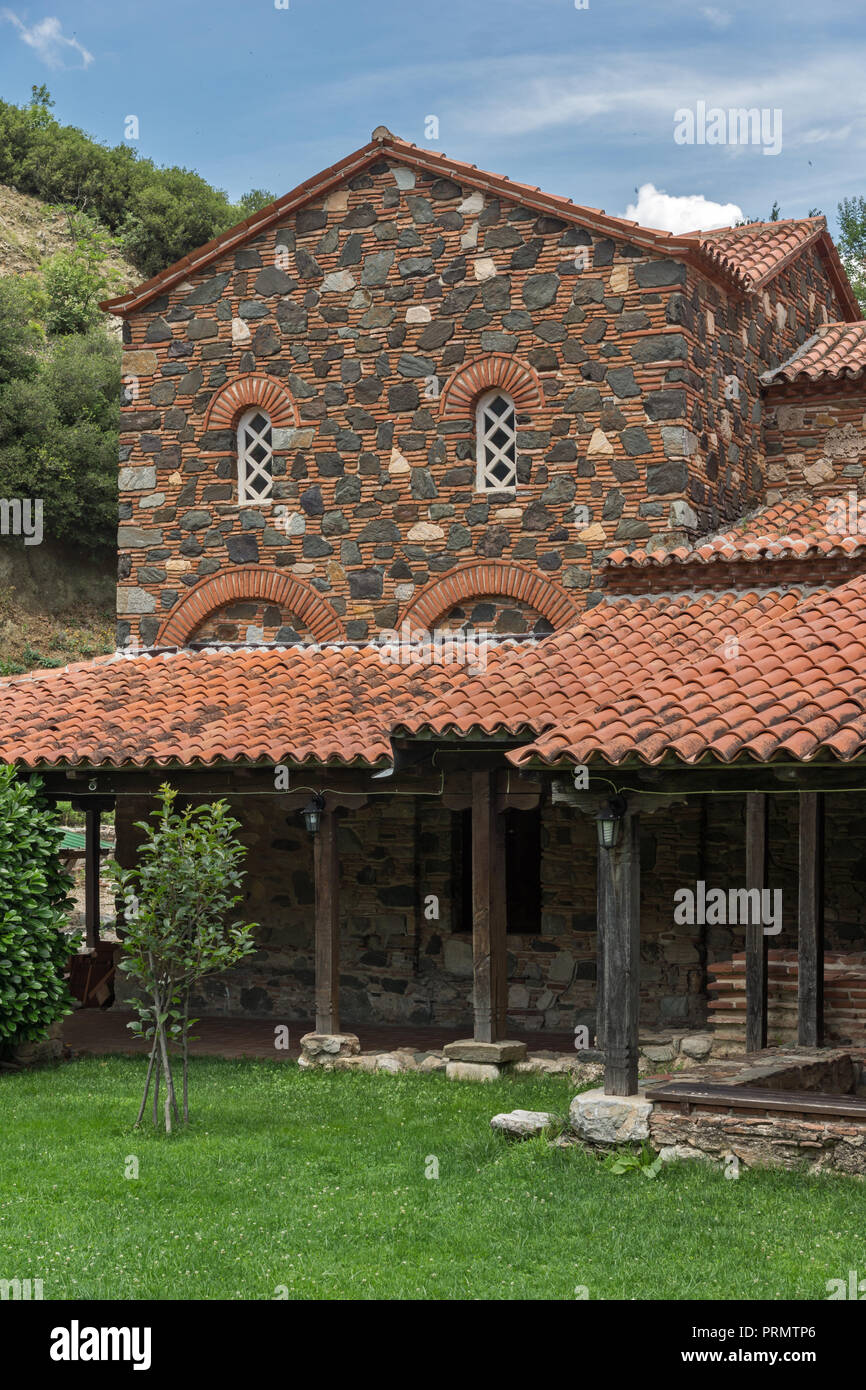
472, 1071
319, 1049
697, 1045
523, 1124
498, 1053
600, 1119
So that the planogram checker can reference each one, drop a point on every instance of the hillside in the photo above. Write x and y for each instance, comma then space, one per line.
31, 231
56, 604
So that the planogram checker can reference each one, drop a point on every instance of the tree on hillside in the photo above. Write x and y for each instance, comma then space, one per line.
160, 213
75, 281
59, 421
21, 336
852, 243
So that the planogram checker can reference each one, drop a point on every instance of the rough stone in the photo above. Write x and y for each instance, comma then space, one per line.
472, 1071
606, 1120
523, 1124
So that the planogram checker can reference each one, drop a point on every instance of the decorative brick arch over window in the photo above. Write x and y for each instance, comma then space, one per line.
244, 392
490, 577
249, 582
499, 371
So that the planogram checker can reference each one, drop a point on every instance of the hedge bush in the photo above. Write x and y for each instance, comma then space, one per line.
34, 896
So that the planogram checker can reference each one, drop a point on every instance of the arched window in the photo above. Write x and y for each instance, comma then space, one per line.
255, 456
496, 434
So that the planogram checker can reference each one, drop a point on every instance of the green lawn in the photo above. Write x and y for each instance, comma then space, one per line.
316, 1182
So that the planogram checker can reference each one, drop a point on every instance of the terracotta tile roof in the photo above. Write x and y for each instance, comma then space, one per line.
802, 527
790, 688
836, 351
272, 704
343, 703
740, 257
761, 249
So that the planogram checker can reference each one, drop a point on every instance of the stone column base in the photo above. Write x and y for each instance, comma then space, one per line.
322, 1049
468, 1060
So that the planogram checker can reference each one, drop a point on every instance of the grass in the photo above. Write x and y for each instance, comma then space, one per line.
315, 1183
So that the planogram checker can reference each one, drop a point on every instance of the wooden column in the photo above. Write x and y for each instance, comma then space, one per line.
91, 877
619, 930
327, 878
756, 941
488, 911
810, 944
600, 1016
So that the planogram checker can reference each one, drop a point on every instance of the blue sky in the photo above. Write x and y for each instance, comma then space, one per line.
581, 102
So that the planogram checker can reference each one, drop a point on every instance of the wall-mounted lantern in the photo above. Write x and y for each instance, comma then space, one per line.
609, 822
312, 812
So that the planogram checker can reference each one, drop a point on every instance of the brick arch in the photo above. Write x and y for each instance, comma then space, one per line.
249, 582
485, 578
243, 392
496, 369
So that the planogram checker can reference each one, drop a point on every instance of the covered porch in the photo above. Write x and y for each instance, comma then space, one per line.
394, 918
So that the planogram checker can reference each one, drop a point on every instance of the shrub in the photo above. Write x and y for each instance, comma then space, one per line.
34, 895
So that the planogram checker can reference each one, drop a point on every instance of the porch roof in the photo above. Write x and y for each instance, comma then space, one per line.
799, 527
647, 677
793, 687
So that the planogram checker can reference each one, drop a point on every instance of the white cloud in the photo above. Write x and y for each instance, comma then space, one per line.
689, 213
718, 18
48, 40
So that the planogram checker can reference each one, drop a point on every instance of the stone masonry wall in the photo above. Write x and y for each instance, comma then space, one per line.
816, 441
732, 343
363, 308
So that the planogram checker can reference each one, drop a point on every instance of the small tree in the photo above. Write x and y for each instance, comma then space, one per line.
178, 902
77, 279
34, 897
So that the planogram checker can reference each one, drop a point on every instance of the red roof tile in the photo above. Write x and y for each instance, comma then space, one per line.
343, 703
761, 249
793, 687
802, 527
837, 351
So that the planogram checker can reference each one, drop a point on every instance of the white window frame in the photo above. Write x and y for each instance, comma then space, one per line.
249, 468
484, 427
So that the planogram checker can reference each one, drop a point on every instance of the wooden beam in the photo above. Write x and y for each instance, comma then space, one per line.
91, 877
619, 950
327, 880
810, 942
488, 911
756, 941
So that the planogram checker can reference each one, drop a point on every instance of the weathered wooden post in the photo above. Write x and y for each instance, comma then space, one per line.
810, 942
756, 941
619, 930
327, 882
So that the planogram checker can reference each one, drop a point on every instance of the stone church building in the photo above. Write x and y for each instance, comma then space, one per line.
520, 546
